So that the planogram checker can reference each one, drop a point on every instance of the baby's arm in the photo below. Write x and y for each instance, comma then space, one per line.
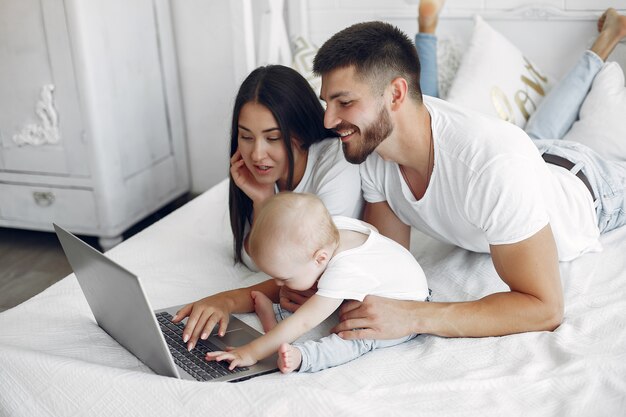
315, 310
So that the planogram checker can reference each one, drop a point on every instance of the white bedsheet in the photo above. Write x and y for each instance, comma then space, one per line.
55, 361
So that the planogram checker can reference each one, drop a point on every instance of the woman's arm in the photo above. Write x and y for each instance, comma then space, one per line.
315, 310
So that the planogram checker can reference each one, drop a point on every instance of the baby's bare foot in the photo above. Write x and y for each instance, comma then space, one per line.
428, 15
264, 309
289, 358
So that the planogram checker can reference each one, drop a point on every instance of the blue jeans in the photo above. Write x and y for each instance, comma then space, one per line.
607, 179
553, 118
558, 111
426, 45
332, 350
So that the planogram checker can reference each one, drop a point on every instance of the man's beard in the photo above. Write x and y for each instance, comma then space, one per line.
371, 137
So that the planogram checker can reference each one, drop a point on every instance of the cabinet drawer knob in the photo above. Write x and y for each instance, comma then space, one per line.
43, 199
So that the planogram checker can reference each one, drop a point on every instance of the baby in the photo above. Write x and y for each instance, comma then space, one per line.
296, 241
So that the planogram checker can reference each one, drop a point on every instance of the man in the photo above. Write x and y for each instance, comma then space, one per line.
460, 177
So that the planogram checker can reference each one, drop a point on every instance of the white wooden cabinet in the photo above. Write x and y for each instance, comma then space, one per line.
91, 126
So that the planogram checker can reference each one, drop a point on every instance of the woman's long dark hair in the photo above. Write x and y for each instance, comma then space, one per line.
299, 114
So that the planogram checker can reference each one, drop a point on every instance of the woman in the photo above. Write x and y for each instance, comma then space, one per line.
278, 143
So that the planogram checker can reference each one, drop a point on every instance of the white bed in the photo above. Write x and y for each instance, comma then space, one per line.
55, 360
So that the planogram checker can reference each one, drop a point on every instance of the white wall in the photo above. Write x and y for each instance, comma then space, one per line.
212, 64
210, 41
572, 27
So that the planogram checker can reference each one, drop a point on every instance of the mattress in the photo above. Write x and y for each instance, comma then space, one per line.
56, 361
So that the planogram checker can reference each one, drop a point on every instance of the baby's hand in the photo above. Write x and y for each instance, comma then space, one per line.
237, 357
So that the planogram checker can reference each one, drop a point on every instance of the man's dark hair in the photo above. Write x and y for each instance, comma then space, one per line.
378, 51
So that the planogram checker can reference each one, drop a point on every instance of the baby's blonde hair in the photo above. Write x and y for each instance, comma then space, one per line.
290, 219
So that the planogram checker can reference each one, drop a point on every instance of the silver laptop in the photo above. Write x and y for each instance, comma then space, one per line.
121, 308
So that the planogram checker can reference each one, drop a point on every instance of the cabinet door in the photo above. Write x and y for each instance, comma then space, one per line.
122, 83
40, 120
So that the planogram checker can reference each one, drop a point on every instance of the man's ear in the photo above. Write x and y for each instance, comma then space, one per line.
399, 89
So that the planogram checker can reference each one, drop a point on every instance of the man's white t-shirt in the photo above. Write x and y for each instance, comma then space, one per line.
330, 177
489, 186
379, 266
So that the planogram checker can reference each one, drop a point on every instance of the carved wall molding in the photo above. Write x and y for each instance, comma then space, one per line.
522, 13
47, 130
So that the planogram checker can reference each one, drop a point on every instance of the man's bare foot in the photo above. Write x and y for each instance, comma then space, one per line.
264, 309
428, 15
612, 28
289, 358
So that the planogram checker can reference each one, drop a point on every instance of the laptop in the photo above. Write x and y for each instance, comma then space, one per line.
121, 309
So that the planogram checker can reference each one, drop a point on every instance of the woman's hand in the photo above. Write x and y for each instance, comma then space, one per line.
291, 300
204, 315
246, 182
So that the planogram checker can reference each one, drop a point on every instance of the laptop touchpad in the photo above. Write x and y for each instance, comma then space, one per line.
233, 338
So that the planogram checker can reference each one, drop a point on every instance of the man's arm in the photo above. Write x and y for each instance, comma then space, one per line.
535, 303
388, 224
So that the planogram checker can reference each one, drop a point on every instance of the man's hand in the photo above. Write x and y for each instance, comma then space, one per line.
241, 356
291, 300
377, 318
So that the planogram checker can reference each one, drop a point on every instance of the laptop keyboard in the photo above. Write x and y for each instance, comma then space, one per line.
194, 362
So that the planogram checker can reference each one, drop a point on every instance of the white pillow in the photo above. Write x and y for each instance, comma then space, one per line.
496, 79
602, 119
449, 54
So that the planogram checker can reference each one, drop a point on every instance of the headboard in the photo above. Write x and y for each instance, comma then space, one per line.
548, 35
